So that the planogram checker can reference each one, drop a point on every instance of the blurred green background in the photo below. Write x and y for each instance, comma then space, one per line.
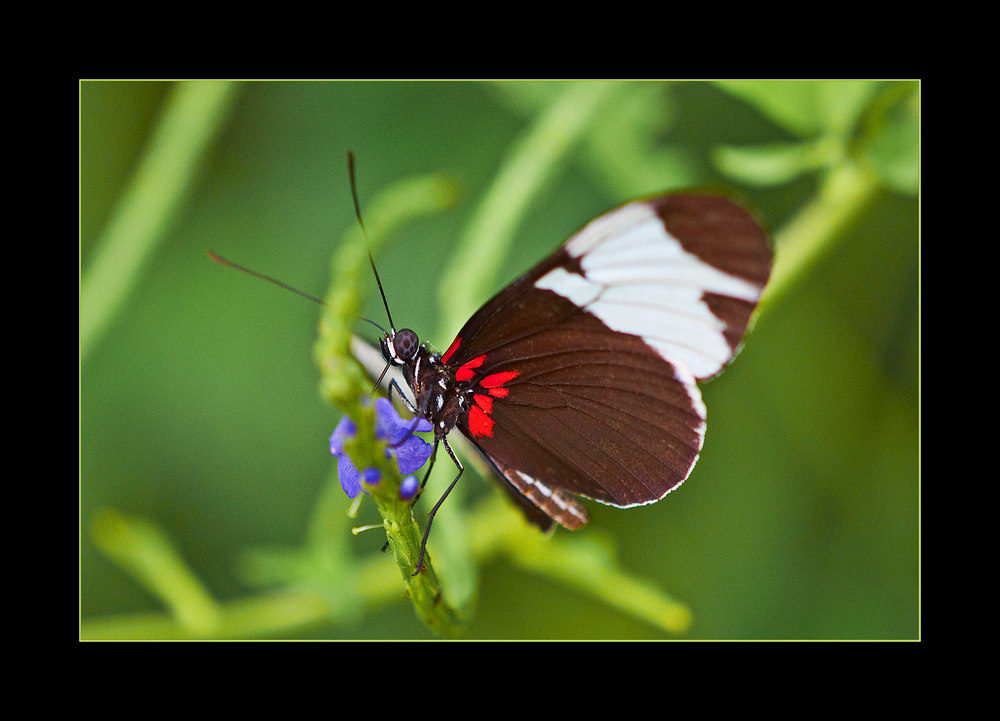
199, 408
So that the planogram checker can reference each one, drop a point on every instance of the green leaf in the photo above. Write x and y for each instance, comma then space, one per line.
806, 107
893, 145
765, 165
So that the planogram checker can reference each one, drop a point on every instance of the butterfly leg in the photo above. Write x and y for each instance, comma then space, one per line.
417, 415
406, 401
430, 516
427, 475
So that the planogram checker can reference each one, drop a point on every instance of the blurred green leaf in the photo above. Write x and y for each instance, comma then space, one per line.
194, 113
626, 151
142, 549
806, 107
893, 145
765, 165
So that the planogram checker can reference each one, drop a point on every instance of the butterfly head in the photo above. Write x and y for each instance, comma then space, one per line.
399, 347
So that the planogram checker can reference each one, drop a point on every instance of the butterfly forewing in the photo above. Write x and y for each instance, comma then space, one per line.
581, 373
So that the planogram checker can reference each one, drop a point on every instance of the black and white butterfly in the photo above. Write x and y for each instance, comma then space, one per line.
580, 377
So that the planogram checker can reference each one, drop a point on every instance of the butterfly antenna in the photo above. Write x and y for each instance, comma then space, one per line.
354, 191
366, 320
219, 259
382, 292
371, 259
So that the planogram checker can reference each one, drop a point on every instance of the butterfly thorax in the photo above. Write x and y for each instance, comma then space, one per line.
438, 396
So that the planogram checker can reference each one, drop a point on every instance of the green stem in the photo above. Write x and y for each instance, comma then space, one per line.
140, 547
343, 382
844, 192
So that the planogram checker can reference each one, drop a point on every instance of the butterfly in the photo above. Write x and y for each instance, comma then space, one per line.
579, 379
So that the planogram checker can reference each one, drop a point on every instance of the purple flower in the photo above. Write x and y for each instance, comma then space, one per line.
410, 451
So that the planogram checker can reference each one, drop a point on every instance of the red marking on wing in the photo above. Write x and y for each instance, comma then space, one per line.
484, 402
451, 349
465, 373
480, 424
495, 380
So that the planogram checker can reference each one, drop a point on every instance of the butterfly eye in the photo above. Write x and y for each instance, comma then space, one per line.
405, 344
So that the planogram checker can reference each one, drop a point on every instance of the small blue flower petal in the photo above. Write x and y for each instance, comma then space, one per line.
408, 489
344, 430
411, 454
389, 426
350, 477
